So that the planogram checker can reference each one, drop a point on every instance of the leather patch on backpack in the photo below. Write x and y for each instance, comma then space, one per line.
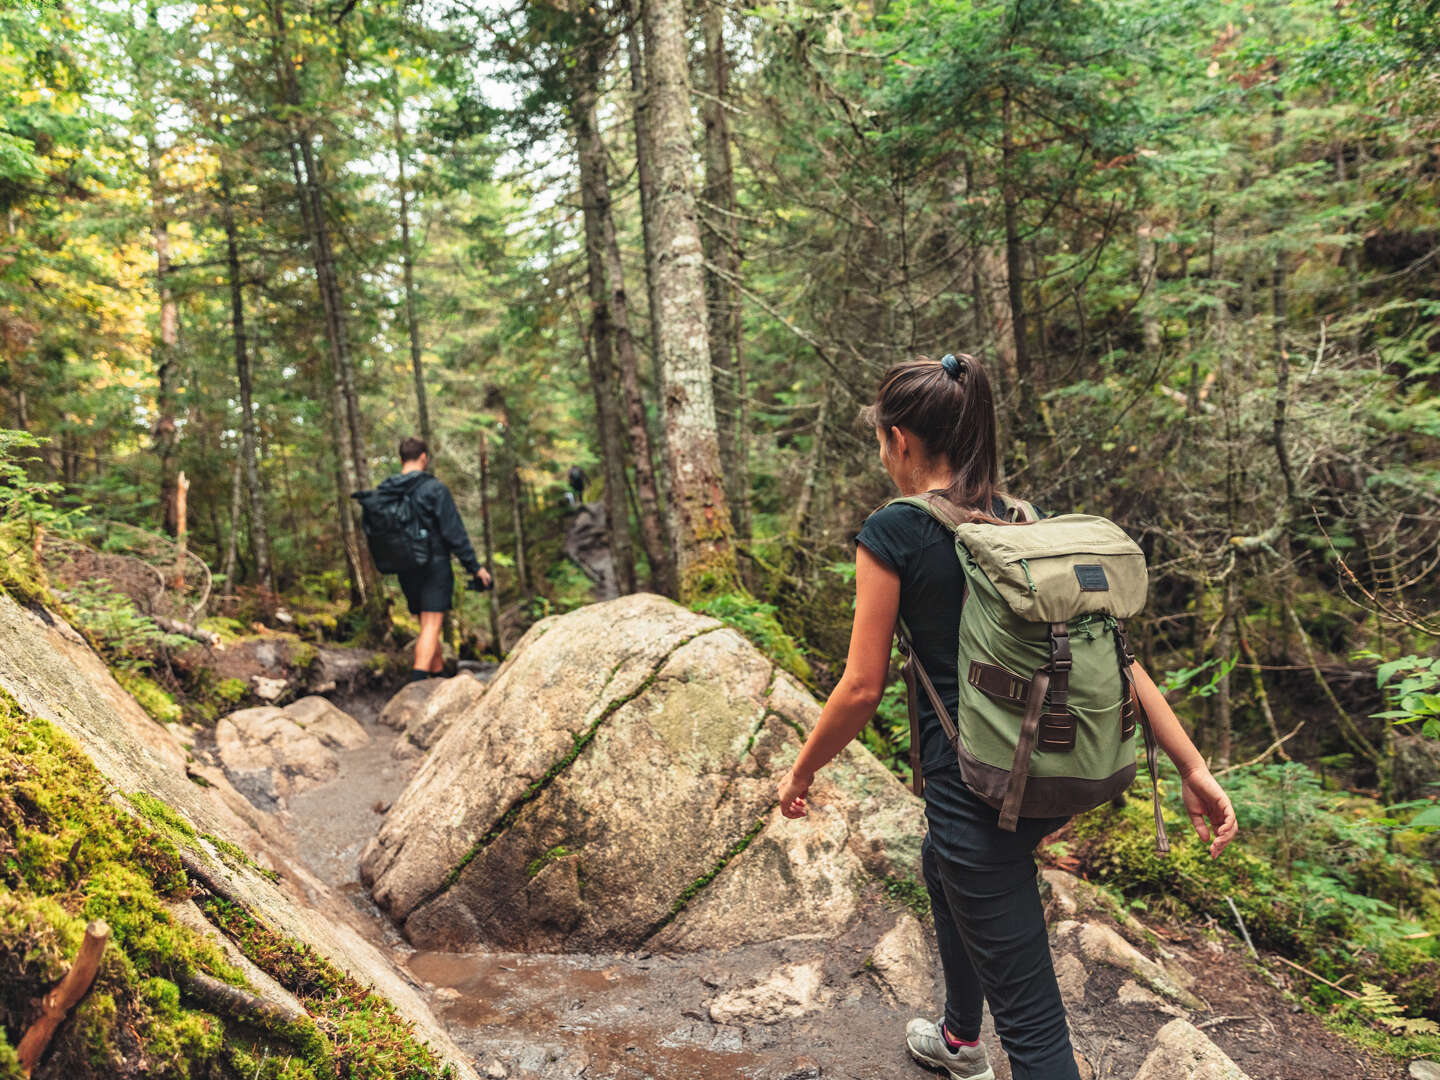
1092, 577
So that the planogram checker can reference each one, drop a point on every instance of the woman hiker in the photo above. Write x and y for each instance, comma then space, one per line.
935, 423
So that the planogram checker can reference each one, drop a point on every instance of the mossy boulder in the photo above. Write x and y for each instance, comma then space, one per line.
100, 817
644, 741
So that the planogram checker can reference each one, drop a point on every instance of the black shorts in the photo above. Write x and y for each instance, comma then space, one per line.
429, 587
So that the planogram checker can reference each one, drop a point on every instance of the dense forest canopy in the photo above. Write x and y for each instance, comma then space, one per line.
248, 246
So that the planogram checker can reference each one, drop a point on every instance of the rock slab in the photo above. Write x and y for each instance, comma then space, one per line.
785, 994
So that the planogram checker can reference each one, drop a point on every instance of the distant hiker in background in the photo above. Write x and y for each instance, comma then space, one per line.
578, 480
413, 528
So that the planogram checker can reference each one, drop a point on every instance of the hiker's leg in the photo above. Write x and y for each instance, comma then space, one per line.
964, 1000
995, 902
427, 645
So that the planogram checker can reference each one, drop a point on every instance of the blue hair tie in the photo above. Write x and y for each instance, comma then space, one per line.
951, 365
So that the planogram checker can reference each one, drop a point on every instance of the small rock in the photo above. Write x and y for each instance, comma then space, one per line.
447, 993
284, 618
1132, 993
1182, 1052
407, 703
802, 1069
329, 724
495, 1071
789, 992
901, 963
1425, 1070
267, 689
1101, 944
380, 806
1070, 973
403, 749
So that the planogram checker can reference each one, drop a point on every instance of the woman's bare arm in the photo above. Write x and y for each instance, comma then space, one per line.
853, 701
1205, 801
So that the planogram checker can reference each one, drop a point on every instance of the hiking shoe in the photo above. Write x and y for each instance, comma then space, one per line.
927, 1046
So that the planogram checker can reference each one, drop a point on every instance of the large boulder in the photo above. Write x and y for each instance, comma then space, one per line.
269, 757
615, 785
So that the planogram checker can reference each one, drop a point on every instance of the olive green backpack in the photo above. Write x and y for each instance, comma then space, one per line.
1047, 711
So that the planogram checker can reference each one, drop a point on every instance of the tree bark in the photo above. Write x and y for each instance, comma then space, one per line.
407, 261
232, 545
595, 198
517, 517
491, 599
312, 194
645, 181
721, 243
249, 455
699, 514
358, 563
165, 347
1014, 270
637, 428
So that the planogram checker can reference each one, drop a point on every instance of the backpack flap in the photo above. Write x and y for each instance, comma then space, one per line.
1060, 568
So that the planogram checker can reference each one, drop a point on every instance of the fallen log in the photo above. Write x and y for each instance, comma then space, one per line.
56, 1005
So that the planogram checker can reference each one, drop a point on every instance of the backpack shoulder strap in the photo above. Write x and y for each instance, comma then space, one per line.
937, 506
1017, 510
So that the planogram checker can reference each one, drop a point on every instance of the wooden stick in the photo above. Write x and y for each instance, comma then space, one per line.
55, 1005
1319, 978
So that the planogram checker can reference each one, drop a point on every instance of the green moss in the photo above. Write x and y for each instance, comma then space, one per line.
693, 889
758, 622
232, 691
159, 813
560, 851
906, 890
21, 574
303, 655
229, 630
9, 1061
371, 1040
68, 856
152, 697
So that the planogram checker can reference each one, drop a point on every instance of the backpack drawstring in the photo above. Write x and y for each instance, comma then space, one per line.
1031, 581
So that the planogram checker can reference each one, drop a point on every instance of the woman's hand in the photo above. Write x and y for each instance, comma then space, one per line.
793, 790
1209, 809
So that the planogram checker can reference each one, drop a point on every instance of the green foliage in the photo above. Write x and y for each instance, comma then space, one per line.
128, 636
158, 702
911, 893
1315, 877
1409, 683
758, 622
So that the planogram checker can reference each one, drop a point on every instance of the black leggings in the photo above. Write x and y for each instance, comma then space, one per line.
990, 926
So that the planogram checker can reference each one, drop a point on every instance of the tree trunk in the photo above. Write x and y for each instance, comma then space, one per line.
232, 546
422, 410
164, 349
361, 569
595, 197
249, 455
699, 515
637, 429
1014, 271
312, 195
517, 517
721, 242
645, 181
1145, 264
492, 598
1224, 645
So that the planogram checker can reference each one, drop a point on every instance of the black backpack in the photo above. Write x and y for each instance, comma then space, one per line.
395, 528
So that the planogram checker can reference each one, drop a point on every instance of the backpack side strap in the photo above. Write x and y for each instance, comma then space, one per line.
1152, 749
910, 670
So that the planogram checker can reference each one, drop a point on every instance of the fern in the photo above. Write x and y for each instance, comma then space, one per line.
1386, 1011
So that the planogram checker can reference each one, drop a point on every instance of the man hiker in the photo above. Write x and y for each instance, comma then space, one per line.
578, 480
415, 503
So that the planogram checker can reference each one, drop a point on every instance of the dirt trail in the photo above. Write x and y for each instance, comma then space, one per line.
642, 1016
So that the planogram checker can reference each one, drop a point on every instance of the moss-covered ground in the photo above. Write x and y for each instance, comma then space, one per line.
69, 855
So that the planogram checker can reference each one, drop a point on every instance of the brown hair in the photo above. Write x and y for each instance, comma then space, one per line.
411, 447
949, 407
